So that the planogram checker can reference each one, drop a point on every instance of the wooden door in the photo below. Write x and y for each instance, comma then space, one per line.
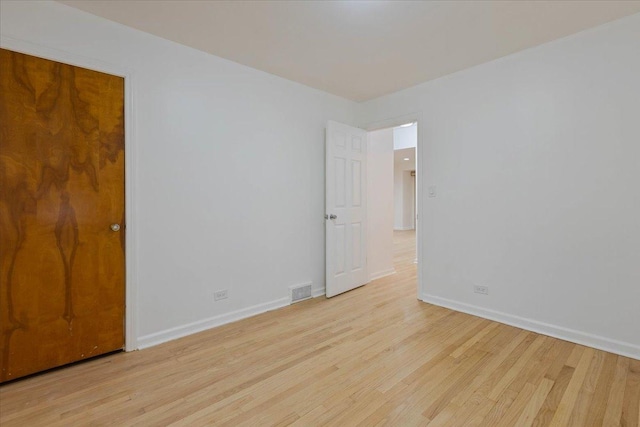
346, 205
61, 190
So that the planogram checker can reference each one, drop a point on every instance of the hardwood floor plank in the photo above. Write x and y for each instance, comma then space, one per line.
631, 402
474, 339
550, 405
598, 406
587, 391
566, 405
616, 396
524, 396
499, 408
529, 413
516, 368
483, 377
575, 355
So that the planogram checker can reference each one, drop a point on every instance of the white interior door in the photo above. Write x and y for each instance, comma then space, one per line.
346, 208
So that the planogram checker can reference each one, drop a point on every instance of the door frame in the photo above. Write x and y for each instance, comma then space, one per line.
130, 178
394, 122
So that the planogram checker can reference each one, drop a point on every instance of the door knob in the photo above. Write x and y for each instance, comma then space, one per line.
332, 216
115, 227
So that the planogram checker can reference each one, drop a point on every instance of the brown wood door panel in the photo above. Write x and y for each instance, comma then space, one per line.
61, 187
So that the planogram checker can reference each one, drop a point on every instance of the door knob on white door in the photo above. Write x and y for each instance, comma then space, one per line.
332, 216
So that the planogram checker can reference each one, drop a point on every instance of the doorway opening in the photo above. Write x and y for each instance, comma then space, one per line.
392, 209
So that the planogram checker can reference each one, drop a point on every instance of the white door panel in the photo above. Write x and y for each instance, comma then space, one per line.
346, 199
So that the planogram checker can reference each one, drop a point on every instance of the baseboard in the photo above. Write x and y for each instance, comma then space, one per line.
403, 228
318, 292
571, 335
202, 325
381, 274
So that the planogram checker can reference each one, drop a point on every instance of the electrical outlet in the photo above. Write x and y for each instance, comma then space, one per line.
484, 290
218, 295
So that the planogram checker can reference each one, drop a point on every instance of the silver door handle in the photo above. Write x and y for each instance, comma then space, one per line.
115, 227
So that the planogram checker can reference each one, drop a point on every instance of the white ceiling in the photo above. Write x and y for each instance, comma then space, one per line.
359, 49
399, 157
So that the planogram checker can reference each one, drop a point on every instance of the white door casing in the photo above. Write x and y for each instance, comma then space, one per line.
346, 208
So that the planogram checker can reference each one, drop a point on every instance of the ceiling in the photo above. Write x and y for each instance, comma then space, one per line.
400, 155
359, 49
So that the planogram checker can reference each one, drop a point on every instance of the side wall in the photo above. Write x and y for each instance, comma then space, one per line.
404, 193
408, 200
229, 171
379, 205
536, 159
398, 199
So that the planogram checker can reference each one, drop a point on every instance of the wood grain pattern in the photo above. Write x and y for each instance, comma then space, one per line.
61, 186
372, 357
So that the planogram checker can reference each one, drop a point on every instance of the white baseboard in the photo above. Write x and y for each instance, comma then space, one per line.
318, 292
202, 325
571, 335
381, 274
403, 228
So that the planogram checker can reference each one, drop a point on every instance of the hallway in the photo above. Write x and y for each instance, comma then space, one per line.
404, 252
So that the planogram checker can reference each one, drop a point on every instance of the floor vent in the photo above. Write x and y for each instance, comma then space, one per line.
301, 292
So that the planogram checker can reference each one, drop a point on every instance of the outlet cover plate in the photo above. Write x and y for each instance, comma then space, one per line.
483, 290
218, 295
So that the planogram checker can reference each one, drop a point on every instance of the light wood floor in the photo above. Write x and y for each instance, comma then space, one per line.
374, 356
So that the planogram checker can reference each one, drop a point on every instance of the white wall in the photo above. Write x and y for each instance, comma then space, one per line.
379, 206
536, 159
398, 198
229, 172
404, 190
408, 197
